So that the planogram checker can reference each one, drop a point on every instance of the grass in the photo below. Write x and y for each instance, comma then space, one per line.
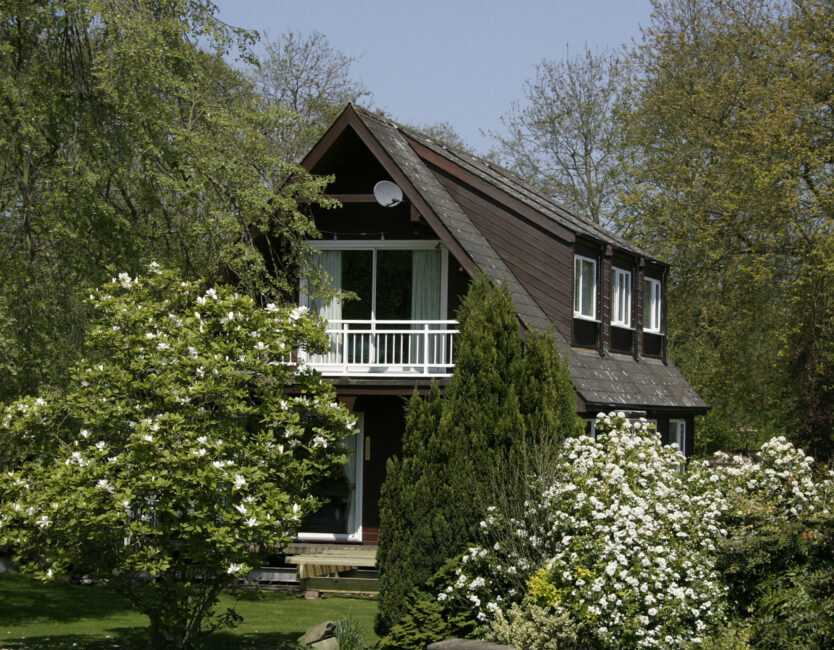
55, 615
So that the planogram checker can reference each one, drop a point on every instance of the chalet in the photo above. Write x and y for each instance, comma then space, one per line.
411, 263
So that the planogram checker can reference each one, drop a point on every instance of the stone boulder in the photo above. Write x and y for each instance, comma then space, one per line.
320, 632
330, 643
467, 644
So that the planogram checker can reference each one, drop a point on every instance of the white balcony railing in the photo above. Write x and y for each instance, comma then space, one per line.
397, 348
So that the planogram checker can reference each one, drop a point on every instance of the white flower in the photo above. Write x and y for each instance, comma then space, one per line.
251, 522
234, 568
239, 481
298, 312
104, 484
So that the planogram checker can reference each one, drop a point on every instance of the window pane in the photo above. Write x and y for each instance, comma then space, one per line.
625, 313
656, 303
577, 285
651, 309
357, 276
393, 285
588, 281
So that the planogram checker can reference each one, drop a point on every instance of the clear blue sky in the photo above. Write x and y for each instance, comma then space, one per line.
457, 61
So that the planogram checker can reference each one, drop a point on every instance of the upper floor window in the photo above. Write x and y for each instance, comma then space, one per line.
621, 297
585, 288
651, 305
677, 434
397, 280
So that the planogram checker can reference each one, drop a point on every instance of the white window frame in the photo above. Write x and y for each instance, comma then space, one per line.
577, 297
355, 514
677, 434
621, 284
374, 246
652, 316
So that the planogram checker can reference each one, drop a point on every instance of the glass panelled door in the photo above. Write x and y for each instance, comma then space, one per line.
389, 315
341, 515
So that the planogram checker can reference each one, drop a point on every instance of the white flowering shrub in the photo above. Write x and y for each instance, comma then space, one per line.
782, 476
179, 458
616, 544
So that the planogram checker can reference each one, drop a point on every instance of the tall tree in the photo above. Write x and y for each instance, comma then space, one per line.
733, 130
563, 139
124, 141
305, 75
504, 396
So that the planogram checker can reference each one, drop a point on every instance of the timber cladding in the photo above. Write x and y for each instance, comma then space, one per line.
541, 262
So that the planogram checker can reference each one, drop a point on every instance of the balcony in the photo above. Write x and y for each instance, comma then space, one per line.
393, 348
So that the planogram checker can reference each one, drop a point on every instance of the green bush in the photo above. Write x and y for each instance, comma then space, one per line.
428, 619
781, 578
505, 396
349, 634
531, 626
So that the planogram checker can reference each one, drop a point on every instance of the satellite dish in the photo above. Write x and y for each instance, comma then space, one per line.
388, 194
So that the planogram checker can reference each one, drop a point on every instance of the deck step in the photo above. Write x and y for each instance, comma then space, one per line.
347, 585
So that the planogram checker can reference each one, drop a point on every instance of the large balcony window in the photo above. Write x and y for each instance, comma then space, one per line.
394, 323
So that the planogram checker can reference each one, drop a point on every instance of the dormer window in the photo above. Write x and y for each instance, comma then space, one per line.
585, 288
621, 297
651, 305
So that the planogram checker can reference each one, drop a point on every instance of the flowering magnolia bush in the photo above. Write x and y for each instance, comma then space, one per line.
616, 545
178, 459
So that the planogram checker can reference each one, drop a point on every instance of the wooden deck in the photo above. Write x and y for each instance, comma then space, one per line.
324, 567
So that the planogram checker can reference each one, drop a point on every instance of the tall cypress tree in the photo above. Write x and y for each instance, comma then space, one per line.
503, 397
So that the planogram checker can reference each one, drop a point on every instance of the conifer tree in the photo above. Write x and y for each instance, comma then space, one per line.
503, 397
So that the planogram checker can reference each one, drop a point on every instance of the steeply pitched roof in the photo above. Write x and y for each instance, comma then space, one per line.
510, 184
613, 380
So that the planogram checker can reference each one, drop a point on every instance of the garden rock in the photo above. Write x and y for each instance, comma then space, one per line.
318, 633
467, 644
330, 643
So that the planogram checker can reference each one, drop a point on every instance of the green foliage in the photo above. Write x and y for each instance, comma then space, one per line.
780, 577
502, 399
730, 139
349, 634
427, 619
175, 461
123, 142
532, 626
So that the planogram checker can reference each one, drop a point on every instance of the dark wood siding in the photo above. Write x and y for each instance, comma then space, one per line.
541, 262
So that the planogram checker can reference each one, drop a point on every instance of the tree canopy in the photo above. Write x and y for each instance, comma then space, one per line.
732, 139
125, 137
563, 138
303, 74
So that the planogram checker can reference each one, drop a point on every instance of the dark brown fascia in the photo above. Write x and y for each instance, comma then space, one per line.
350, 119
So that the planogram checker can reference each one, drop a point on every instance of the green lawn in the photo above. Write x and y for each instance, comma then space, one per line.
37, 615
